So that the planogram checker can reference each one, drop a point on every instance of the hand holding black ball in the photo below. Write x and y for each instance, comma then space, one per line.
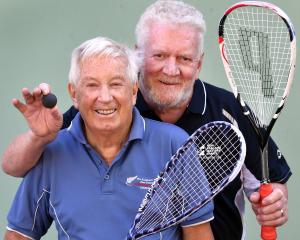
49, 100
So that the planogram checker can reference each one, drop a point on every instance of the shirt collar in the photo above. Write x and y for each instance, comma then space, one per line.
197, 103
137, 129
138, 126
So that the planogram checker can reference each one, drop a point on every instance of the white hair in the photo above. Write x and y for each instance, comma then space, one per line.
101, 46
170, 11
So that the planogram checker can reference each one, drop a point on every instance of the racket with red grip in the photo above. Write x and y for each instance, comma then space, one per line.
258, 48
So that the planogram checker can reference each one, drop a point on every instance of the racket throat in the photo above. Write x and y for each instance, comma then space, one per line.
265, 165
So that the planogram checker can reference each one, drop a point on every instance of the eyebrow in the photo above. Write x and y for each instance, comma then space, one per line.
117, 76
154, 51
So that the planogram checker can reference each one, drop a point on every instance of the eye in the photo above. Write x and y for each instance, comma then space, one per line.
159, 56
185, 59
91, 85
116, 83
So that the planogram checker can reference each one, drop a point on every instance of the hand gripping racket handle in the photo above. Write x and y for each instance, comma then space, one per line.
267, 233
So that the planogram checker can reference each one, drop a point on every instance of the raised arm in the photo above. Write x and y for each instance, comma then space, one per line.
44, 123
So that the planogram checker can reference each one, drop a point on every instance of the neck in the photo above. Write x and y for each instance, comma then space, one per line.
108, 145
171, 115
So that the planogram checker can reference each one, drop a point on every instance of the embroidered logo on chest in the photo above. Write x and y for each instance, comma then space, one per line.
142, 183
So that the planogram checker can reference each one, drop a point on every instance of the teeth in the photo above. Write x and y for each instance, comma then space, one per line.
106, 111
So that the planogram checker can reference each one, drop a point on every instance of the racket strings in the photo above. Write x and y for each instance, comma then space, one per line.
200, 170
219, 168
258, 51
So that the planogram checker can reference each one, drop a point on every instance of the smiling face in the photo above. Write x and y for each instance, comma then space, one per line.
104, 95
171, 64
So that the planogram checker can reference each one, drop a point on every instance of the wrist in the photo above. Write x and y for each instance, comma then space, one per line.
39, 140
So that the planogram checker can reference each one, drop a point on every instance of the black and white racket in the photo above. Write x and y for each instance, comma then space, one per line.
209, 160
258, 48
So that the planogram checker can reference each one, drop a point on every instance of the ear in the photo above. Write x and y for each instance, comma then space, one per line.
72, 92
134, 93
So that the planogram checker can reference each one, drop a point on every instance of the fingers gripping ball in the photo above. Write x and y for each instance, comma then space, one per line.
49, 100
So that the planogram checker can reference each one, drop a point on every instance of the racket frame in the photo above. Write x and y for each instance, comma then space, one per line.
159, 180
262, 132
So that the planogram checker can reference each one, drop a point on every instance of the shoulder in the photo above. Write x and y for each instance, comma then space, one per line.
62, 143
163, 128
164, 132
63, 136
220, 100
216, 93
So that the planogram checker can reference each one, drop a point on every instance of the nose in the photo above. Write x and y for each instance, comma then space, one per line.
170, 67
104, 94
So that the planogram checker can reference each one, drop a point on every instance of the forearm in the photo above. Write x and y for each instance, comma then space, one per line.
10, 235
22, 154
198, 232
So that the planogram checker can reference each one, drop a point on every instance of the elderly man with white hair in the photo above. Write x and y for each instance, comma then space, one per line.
92, 178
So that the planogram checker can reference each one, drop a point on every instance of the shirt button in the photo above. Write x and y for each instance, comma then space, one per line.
106, 177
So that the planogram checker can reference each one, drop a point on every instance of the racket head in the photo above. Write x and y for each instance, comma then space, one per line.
209, 160
258, 48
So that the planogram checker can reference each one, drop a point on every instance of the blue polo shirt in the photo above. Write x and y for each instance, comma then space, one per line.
87, 199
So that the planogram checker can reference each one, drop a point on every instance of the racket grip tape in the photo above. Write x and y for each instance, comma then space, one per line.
267, 232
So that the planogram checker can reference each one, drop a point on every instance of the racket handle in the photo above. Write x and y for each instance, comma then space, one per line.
267, 233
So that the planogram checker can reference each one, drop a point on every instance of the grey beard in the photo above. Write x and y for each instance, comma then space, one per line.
156, 102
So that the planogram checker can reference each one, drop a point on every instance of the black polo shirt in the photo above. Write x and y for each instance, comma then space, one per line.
210, 103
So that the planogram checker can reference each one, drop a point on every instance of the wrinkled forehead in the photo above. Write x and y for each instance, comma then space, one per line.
154, 26
103, 63
103, 67
101, 59
165, 36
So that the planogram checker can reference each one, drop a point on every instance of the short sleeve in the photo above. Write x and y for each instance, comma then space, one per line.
29, 212
204, 214
279, 170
